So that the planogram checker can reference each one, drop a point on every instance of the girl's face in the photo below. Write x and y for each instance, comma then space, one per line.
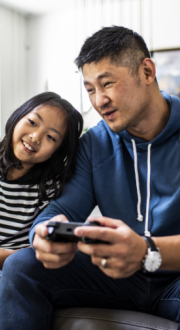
38, 134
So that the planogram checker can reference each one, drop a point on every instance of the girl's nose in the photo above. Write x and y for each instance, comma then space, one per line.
35, 137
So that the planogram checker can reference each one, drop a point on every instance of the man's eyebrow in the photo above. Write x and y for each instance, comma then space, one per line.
51, 128
101, 76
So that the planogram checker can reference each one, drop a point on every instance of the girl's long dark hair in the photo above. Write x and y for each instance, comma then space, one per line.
61, 166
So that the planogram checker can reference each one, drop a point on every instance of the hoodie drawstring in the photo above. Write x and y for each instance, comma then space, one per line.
140, 216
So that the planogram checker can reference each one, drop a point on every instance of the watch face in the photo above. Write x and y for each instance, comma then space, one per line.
152, 261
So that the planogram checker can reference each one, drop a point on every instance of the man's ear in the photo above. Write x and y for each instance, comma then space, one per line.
149, 70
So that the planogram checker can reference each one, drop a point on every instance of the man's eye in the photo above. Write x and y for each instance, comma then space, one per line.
51, 138
107, 83
32, 122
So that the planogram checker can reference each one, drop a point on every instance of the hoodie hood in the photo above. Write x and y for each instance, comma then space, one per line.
172, 126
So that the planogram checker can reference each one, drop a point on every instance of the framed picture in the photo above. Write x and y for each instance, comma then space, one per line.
168, 70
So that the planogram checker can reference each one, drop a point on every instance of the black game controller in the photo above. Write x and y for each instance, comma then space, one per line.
64, 232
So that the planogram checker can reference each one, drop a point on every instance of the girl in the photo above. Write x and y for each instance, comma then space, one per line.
37, 156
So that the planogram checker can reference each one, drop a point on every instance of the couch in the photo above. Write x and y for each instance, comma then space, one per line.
108, 319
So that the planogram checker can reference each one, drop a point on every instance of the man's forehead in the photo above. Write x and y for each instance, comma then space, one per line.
97, 70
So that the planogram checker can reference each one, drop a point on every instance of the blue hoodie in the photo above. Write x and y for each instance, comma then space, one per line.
129, 179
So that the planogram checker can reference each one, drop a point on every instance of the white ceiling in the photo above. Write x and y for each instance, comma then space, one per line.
33, 6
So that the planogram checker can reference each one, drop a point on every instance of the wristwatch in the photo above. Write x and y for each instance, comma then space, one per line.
152, 260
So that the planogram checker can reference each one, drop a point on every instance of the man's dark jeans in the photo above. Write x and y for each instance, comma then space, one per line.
29, 292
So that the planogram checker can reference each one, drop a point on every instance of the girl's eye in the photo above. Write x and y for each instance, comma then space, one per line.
32, 122
51, 138
89, 90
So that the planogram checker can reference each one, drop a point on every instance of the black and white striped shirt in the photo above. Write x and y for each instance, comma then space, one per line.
19, 206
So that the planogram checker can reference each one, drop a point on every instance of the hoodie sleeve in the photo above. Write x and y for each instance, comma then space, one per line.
78, 198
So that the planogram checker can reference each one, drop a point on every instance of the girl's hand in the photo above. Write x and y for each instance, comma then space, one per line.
52, 254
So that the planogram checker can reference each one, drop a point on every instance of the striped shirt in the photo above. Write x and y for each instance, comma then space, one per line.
19, 206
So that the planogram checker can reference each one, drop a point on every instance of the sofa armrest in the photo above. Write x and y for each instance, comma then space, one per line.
108, 319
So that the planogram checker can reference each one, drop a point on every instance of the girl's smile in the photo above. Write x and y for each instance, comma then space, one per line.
27, 147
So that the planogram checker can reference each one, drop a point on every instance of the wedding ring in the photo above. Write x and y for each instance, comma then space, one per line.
104, 262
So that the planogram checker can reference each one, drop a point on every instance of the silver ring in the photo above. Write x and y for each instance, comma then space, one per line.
104, 262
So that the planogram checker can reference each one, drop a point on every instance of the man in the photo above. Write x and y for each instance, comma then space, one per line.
128, 165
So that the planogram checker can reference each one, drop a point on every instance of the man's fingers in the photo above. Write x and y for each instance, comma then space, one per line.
96, 249
52, 247
107, 222
41, 229
56, 262
59, 218
115, 268
52, 254
55, 255
111, 262
111, 268
53, 258
52, 265
103, 233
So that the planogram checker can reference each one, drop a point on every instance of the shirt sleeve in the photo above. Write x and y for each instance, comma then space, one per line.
78, 198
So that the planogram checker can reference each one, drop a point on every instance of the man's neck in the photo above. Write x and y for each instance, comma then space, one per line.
156, 120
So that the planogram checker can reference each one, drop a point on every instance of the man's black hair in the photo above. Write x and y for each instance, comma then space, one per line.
61, 165
124, 47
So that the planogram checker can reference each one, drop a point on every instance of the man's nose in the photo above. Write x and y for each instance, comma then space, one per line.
101, 99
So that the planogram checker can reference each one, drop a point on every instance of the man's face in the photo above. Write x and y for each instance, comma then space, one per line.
118, 97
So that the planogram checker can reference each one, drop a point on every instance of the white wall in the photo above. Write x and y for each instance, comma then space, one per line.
37, 53
55, 39
13, 63
52, 52
165, 24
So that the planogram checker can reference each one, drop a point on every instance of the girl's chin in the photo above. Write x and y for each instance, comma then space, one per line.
26, 164
24, 161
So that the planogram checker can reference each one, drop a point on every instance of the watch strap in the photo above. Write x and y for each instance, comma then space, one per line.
150, 243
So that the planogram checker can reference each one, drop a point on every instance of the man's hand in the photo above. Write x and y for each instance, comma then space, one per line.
125, 252
52, 254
